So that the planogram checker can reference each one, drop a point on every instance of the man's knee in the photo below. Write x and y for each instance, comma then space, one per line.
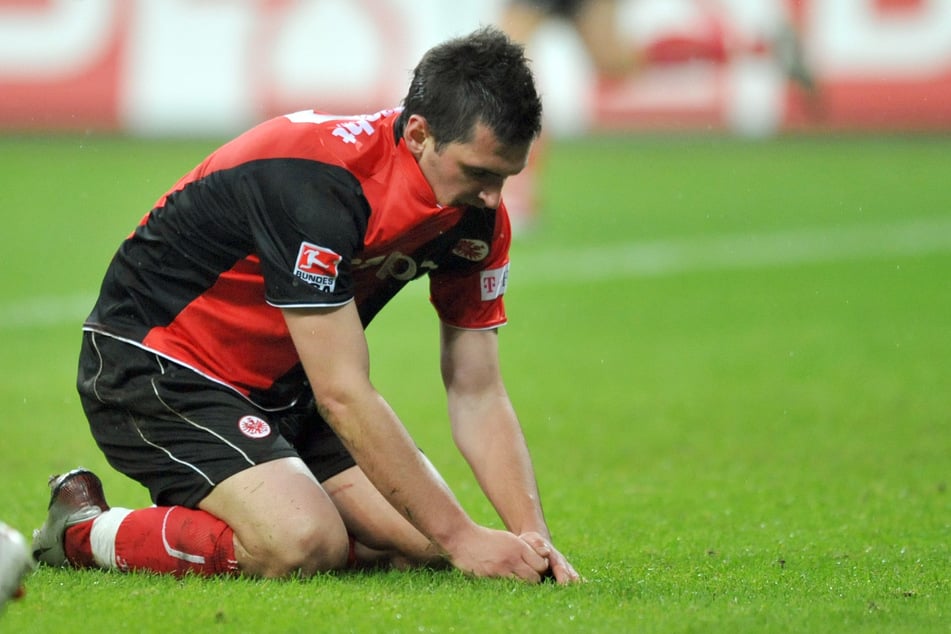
298, 546
284, 523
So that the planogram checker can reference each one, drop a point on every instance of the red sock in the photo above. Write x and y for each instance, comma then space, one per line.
177, 540
164, 539
78, 547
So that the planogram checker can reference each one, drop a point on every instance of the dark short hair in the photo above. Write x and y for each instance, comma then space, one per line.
481, 77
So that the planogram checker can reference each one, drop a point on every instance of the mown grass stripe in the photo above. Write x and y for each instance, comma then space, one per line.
786, 248
634, 259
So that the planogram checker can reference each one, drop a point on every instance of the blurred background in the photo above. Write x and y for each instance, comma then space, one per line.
214, 67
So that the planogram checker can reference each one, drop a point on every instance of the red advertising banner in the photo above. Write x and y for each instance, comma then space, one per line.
801, 64
60, 64
214, 66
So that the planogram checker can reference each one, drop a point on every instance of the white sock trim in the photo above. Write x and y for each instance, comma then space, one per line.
102, 537
173, 552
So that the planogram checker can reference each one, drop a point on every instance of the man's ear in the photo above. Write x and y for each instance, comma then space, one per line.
416, 134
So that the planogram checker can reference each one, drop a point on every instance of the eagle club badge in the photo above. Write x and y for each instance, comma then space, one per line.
473, 250
254, 427
317, 266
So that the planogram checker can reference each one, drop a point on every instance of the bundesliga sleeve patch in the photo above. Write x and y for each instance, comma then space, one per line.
493, 283
317, 266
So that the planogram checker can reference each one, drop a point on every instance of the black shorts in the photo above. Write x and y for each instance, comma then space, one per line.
562, 8
180, 434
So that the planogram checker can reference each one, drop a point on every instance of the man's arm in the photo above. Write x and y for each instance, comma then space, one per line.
333, 349
487, 432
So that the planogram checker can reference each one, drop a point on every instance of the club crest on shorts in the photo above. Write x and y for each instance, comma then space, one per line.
317, 266
254, 427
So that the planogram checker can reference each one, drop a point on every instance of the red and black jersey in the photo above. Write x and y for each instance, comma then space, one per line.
304, 210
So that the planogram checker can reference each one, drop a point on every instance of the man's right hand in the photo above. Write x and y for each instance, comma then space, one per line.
484, 552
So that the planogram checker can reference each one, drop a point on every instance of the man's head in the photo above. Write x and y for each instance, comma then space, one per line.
470, 116
483, 77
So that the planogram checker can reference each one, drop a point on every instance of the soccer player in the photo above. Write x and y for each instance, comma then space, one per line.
615, 58
596, 23
612, 57
225, 365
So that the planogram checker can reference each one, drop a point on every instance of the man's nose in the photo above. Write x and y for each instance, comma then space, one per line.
491, 196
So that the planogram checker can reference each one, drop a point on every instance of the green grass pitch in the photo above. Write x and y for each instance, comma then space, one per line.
732, 361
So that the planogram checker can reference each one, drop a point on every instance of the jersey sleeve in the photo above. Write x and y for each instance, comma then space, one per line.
307, 219
472, 297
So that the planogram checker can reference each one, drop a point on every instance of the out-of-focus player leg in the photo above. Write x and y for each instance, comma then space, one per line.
596, 23
521, 20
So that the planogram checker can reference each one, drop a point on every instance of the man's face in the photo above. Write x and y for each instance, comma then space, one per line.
470, 173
